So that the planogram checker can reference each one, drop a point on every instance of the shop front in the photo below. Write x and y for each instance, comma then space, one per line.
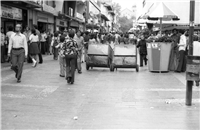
10, 16
74, 24
45, 21
61, 25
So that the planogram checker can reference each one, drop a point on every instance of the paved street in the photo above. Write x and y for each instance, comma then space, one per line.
98, 99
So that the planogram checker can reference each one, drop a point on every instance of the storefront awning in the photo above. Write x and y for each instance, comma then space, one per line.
31, 4
74, 24
104, 17
91, 26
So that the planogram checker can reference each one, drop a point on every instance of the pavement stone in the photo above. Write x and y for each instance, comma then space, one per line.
100, 99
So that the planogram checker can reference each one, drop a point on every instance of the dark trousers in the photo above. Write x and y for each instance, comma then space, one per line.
43, 47
182, 62
2, 54
70, 66
143, 57
55, 53
40, 54
18, 57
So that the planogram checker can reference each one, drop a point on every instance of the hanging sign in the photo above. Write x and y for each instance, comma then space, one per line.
193, 68
11, 12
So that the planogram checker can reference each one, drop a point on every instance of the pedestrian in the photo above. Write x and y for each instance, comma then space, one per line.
27, 33
34, 50
18, 44
39, 43
62, 61
142, 45
181, 48
43, 42
70, 51
8, 35
80, 41
54, 43
3, 41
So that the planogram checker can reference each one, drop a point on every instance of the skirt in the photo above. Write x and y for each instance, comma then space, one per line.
33, 48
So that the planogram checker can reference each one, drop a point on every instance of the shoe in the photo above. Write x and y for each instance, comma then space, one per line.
18, 80
178, 71
72, 82
36, 64
79, 72
141, 65
62, 75
68, 80
40, 62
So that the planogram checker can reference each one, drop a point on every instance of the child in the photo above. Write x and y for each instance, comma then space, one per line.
61, 56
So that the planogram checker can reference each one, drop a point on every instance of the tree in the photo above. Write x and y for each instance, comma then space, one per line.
117, 9
125, 24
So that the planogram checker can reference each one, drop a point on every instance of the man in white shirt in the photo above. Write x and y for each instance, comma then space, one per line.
182, 46
18, 44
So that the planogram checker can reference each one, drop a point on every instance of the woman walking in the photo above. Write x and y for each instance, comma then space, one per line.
70, 51
54, 43
34, 50
62, 61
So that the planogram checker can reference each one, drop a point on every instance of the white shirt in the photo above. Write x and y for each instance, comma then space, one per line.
18, 41
9, 33
34, 38
53, 39
182, 43
3, 37
79, 41
43, 37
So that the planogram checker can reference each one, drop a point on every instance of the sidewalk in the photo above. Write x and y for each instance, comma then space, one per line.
99, 99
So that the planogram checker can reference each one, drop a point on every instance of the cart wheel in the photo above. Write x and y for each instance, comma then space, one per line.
112, 69
87, 67
137, 68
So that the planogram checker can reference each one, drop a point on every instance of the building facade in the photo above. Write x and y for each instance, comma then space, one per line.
14, 12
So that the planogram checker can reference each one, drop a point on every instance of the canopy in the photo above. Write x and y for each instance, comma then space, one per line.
161, 12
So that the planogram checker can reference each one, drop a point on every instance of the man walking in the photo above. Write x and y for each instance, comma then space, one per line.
80, 41
18, 44
142, 45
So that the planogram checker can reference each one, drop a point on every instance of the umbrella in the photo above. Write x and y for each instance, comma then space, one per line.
163, 13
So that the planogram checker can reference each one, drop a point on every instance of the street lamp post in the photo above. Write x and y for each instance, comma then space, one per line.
191, 32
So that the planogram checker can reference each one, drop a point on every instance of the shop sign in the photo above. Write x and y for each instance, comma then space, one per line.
39, 2
193, 68
49, 9
80, 16
11, 12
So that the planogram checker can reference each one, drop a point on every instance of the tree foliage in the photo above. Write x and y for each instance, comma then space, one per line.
125, 24
117, 9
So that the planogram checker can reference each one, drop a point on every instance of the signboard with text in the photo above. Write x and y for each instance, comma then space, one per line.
11, 12
193, 68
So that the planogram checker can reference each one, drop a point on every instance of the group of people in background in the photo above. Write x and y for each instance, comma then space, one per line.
71, 46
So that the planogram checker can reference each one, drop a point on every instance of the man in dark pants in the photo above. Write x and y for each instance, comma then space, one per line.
143, 50
19, 47
181, 47
70, 49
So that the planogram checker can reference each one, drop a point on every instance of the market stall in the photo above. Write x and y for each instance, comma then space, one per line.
159, 50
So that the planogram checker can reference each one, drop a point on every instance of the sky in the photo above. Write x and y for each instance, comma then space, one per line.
126, 3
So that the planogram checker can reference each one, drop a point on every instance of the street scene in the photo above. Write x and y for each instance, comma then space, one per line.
100, 64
